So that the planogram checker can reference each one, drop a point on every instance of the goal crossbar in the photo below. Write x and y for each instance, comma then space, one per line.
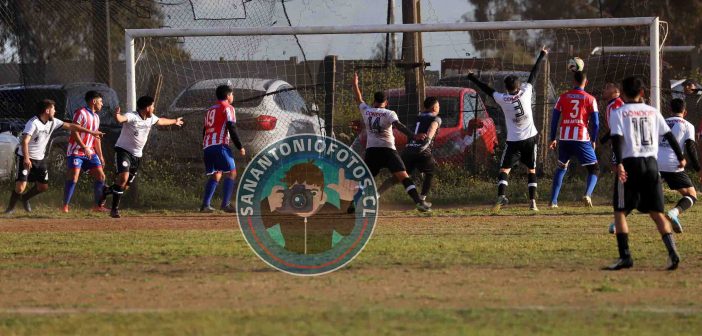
651, 22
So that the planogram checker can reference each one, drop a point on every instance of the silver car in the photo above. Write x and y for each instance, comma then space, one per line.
8, 144
267, 110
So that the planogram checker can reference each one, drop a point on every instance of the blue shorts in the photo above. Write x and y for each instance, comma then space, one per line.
581, 149
219, 158
83, 162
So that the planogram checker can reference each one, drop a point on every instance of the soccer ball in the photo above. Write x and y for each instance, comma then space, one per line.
576, 64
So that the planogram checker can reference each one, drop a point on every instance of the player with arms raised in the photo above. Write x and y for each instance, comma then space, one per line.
521, 132
220, 127
635, 130
579, 125
380, 143
136, 127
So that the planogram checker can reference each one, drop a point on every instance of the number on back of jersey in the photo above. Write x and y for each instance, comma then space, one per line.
374, 124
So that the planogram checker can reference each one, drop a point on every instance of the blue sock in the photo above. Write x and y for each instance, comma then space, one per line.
210, 188
97, 191
68, 190
227, 190
557, 183
591, 182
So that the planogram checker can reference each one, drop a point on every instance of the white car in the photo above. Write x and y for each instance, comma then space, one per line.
267, 110
8, 144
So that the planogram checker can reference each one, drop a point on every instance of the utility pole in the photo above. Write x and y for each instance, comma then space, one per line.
390, 38
102, 57
412, 57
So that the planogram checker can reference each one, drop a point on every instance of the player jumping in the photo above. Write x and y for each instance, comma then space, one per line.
380, 143
675, 177
521, 132
417, 153
220, 126
136, 127
579, 125
30, 155
636, 128
84, 151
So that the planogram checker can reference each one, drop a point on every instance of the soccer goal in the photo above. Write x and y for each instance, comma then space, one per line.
290, 80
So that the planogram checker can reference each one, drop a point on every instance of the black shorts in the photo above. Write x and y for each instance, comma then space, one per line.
38, 173
642, 190
677, 180
378, 158
422, 161
523, 151
126, 162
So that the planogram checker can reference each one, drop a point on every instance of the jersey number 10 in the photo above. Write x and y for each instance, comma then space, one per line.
642, 131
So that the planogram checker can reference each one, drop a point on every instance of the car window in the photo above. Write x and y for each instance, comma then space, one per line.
11, 104
291, 101
203, 98
449, 112
22, 103
76, 100
469, 108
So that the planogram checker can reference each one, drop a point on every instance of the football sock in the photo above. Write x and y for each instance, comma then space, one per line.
210, 188
13, 200
411, 190
502, 184
532, 185
669, 242
31, 193
623, 245
426, 184
97, 191
68, 190
557, 183
686, 203
228, 188
591, 182
117, 193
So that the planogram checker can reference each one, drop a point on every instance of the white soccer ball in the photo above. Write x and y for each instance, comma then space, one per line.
576, 64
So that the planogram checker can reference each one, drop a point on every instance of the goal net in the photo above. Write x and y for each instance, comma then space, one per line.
292, 80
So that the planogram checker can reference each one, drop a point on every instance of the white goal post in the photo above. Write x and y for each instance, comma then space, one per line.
651, 22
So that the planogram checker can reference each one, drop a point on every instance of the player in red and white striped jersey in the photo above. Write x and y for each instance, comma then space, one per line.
579, 124
84, 151
220, 127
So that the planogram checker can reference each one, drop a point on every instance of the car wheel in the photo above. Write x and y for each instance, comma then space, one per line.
57, 161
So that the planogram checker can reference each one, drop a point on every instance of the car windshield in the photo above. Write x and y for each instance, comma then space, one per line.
21, 103
291, 101
203, 98
449, 110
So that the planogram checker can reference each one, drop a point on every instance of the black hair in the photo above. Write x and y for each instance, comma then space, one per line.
579, 77
90, 95
44, 104
144, 101
379, 97
429, 102
677, 105
511, 83
631, 86
688, 82
223, 91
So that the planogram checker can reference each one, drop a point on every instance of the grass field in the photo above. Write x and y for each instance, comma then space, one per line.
457, 271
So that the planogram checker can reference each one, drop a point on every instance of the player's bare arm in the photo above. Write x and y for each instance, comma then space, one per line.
537, 65
78, 128
26, 162
88, 152
119, 117
169, 122
357, 89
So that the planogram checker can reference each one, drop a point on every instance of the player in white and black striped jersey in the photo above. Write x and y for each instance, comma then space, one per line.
674, 176
521, 132
635, 131
30, 155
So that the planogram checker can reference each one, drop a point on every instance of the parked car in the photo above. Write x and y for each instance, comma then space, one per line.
8, 145
17, 104
267, 110
467, 135
496, 80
